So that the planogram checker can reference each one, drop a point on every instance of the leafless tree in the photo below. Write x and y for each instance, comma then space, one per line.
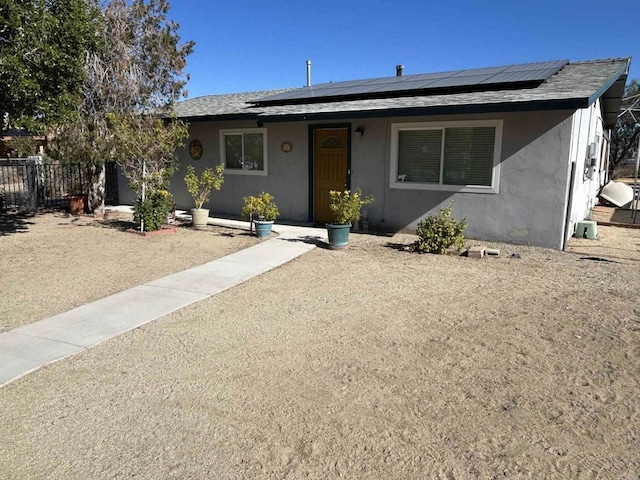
138, 69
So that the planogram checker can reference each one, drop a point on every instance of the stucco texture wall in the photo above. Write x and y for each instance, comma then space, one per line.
530, 205
286, 179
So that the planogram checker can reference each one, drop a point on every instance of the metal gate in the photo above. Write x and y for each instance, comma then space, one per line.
31, 184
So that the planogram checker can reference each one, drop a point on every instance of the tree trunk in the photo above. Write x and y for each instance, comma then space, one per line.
97, 193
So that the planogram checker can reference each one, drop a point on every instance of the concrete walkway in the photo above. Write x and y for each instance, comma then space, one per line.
32, 346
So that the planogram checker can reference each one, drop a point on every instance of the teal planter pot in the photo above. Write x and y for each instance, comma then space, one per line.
338, 235
263, 228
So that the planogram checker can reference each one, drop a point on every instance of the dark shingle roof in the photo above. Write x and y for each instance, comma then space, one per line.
577, 85
226, 105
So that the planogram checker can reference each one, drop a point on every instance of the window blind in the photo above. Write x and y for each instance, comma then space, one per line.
468, 155
419, 153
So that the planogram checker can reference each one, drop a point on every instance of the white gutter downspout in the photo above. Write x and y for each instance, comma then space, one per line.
567, 218
572, 174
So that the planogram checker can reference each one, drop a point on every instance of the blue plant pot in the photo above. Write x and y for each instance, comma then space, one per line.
338, 235
263, 228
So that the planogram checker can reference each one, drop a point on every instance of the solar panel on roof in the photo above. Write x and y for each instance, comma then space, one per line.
399, 86
356, 89
460, 81
524, 75
477, 71
290, 95
523, 67
508, 76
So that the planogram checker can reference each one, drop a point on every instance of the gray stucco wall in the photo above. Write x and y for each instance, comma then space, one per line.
287, 177
529, 207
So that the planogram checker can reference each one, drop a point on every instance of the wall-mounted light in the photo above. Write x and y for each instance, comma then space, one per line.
359, 132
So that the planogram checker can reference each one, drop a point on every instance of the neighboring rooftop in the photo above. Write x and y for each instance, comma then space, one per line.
565, 86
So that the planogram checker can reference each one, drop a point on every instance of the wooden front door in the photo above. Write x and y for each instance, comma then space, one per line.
330, 167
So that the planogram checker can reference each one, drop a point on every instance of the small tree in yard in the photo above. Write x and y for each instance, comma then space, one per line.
137, 68
437, 233
146, 154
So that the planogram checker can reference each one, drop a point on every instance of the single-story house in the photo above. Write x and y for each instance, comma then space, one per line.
520, 150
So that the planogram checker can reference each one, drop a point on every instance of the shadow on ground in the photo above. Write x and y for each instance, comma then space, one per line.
613, 242
614, 215
401, 247
126, 225
15, 222
317, 241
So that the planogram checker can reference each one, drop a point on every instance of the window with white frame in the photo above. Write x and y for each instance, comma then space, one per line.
244, 151
460, 156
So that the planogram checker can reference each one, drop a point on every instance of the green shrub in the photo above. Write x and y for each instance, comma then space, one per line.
262, 207
437, 233
345, 205
200, 188
153, 210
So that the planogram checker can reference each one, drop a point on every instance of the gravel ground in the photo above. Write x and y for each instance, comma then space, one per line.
368, 362
53, 262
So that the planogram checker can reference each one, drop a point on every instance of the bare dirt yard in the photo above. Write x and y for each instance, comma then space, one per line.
369, 362
53, 262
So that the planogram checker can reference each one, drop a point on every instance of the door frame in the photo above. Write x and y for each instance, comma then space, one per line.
312, 129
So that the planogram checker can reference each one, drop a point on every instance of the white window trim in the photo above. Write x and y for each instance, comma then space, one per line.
223, 156
495, 177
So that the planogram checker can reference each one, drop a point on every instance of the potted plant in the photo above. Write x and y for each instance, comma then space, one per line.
345, 206
73, 181
261, 211
77, 203
77, 197
200, 189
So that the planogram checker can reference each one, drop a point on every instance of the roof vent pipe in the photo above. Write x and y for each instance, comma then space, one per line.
308, 73
399, 69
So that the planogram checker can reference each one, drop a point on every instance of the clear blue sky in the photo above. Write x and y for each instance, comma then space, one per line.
248, 45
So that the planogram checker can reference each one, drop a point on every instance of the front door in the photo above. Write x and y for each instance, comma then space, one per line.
330, 168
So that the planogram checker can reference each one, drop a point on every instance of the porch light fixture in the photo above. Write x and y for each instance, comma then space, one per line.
359, 132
